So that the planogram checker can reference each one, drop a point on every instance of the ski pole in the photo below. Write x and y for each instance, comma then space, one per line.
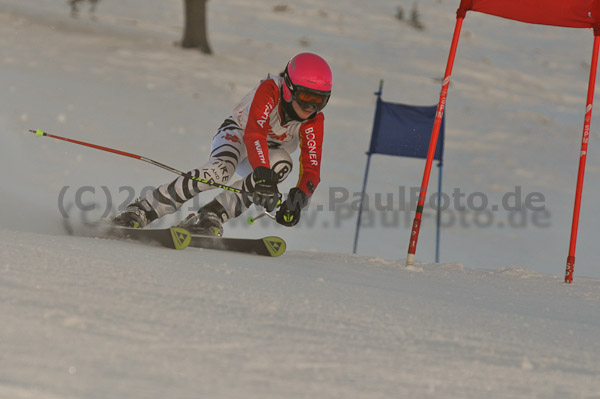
39, 132
252, 220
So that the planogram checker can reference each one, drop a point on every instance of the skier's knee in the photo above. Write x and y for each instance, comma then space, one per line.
281, 163
219, 171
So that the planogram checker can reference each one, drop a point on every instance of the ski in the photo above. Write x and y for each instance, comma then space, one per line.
265, 246
173, 237
179, 238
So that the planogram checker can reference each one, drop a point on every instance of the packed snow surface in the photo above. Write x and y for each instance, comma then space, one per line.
96, 318
92, 318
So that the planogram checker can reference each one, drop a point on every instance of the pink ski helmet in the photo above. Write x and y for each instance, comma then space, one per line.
307, 80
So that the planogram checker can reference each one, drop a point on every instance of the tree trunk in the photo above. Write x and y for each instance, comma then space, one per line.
194, 32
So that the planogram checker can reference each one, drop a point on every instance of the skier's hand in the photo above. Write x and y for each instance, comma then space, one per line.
265, 192
289, 212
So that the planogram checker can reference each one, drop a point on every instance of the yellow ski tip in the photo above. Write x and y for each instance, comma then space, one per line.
181, 237
275, 245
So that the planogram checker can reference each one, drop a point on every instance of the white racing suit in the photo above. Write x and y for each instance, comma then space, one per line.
253, 136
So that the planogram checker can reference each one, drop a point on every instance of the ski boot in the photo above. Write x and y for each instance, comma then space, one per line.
137, 215
208, 221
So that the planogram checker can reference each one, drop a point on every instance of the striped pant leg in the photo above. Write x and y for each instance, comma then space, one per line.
236, 204
226, 152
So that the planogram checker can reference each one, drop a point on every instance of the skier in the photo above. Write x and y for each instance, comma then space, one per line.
281, 114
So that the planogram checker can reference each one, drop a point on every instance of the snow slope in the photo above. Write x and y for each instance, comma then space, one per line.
89, 318
514, 117
86, 318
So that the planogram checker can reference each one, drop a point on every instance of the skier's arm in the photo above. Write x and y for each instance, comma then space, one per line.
311, 142
257, 127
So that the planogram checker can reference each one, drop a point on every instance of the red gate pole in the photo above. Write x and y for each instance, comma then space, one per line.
582, 159
414, 236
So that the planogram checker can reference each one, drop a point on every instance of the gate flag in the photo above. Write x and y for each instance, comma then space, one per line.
564, 13
403, 130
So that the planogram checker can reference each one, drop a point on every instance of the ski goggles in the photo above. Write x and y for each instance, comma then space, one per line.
310, 99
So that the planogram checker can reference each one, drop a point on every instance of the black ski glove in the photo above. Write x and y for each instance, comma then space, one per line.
265, 192
289, 212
